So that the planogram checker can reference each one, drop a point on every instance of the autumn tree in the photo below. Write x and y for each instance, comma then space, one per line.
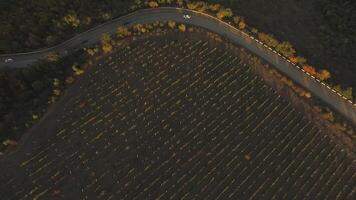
106, 45
267, 39
153, 4
91, 51
72, 19
347, 92
310, 69
139, 28
323, 75
52, 56
202, 6
298, 60
224, 12
182, 27
122, 32
242, 24
286, 49
192, 5
77, 71
172, 24
214, 7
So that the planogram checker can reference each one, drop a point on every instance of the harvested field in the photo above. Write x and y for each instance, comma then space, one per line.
176, 118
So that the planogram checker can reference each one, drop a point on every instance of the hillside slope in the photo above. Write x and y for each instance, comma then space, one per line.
179, 117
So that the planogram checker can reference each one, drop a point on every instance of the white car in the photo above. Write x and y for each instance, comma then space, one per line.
187, 16
9, 60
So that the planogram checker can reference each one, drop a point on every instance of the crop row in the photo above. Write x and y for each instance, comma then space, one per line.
180, 119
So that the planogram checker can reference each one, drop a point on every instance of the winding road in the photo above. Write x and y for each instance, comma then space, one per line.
340, 103
161, 151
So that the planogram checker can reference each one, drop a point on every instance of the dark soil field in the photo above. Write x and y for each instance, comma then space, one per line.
176, 117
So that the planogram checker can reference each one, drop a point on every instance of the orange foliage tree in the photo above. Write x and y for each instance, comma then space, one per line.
323, 75
310, 69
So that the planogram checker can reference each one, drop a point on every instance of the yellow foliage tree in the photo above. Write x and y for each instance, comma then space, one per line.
172, 24
286, 49
201, 6
192, 6
242, 25
77, 70
153, 4
52, 56
270, 40
214, 7
224, 12
57, 92
106, 45
107, 48
123, 32
72, 20
347, 93
298, 60
182, 27
139, 28
310, 69
323, 75
105, 38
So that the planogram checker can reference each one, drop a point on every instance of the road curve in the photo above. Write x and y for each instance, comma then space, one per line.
324, 92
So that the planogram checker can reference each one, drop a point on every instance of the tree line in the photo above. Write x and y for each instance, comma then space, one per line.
26, 25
